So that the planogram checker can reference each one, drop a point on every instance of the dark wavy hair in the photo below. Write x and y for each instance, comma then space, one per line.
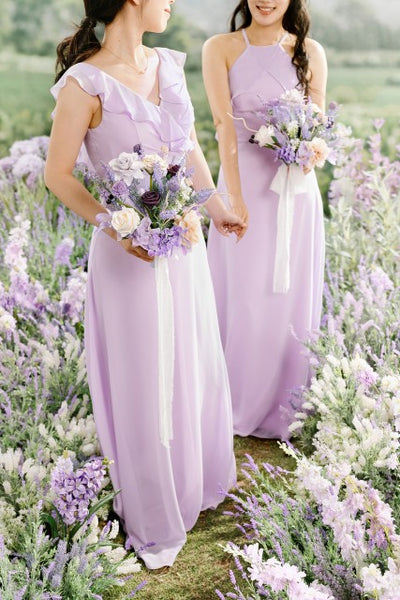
84, 43
296, 20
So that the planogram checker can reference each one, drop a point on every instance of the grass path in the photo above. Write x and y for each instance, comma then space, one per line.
202, 565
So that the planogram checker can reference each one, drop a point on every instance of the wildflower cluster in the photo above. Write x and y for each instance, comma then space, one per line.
335, 518
55, 539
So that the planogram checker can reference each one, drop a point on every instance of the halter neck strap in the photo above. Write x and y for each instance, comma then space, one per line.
283, 38
246, 39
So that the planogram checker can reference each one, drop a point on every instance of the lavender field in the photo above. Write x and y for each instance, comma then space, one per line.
328, 530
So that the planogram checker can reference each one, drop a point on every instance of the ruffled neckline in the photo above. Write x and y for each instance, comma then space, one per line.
126, 87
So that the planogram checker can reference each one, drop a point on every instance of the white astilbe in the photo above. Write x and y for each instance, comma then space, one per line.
10, 460
354, 511
384, 586
359, 412
278, 576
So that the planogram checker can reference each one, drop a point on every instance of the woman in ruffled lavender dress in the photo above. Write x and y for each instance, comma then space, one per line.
262, 330
111, 97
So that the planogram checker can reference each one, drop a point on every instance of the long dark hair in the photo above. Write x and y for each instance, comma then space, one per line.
84, 43
296, 20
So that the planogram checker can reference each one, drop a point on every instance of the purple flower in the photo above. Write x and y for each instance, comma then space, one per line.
63, 251
76, 490
138, 149
304, 155
120, 190
150, 198
287, 154
173, 170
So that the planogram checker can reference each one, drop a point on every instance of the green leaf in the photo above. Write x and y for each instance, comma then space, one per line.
45, 518
92, 511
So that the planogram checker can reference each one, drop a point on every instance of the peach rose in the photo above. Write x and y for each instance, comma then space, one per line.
320, 151
191, 222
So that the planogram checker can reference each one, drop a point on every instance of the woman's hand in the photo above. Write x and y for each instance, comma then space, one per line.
227, 222
137, 251
240, 209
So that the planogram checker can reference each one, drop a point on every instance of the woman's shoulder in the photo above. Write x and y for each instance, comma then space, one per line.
84, 76
224, 41
314, 48
175, 56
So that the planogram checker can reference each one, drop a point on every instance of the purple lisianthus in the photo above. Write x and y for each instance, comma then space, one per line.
174, 185
165, 241
120, 190
150, 198
287, 154
304, 155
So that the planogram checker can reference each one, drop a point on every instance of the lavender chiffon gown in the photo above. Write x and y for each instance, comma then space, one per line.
262, 331
163, 490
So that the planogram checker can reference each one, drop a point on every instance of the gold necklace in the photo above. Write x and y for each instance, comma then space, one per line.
139, 70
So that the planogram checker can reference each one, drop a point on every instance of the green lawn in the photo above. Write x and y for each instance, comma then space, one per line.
25, 106
202, 564
364, 93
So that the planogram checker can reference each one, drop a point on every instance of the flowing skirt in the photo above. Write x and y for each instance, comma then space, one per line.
262, 331
162, 490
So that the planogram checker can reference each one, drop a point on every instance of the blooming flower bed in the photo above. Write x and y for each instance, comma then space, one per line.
329, 529
55, 538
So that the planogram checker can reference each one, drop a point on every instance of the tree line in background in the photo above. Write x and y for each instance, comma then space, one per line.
35, 26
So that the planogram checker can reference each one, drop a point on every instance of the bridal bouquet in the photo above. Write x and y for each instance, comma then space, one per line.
151, 202
297, 130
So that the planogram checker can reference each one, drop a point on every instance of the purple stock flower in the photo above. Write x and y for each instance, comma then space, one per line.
76, 490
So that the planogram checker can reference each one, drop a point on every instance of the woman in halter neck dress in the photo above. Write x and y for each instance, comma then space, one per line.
110, 97
262, 331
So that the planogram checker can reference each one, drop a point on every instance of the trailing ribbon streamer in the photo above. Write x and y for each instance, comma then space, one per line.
289, 181
166, 349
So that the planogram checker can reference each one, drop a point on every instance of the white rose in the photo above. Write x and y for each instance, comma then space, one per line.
125, 221
125, 161
150, 160
127, 167
263, 137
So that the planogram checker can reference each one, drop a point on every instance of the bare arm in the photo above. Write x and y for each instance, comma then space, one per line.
318, 73
68, 131
215, 75
224, 220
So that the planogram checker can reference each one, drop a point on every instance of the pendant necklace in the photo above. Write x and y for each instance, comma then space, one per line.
139, 70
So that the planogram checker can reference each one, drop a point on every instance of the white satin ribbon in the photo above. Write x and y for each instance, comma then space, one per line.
166, 349
289, 181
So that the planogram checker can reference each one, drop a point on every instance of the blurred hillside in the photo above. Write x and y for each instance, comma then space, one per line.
34, 26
